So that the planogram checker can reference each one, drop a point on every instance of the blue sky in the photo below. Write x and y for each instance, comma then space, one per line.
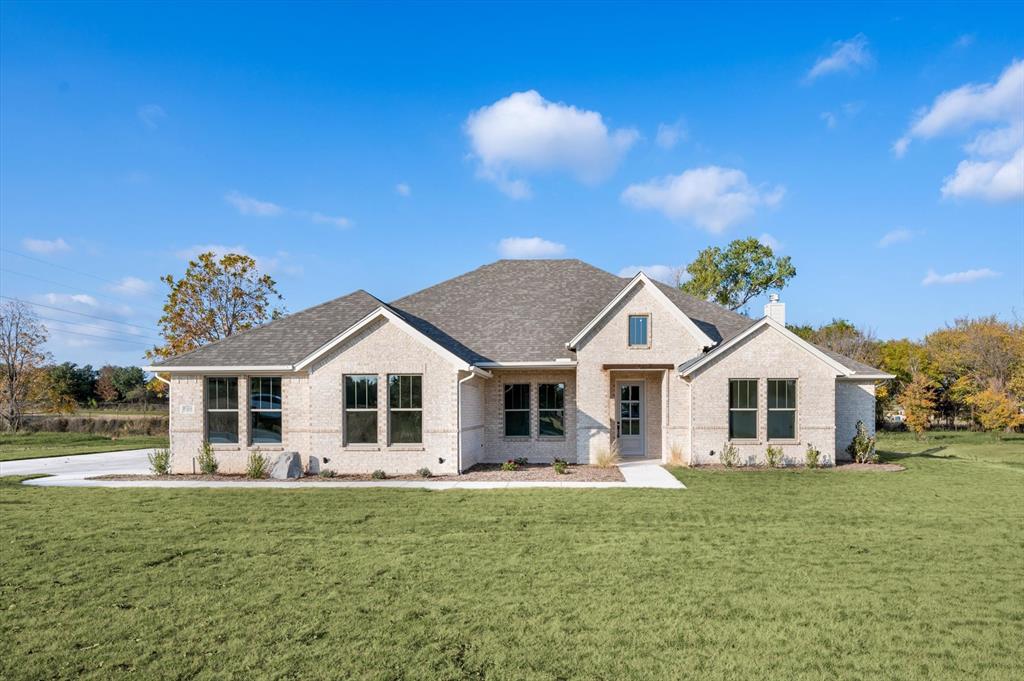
390, 146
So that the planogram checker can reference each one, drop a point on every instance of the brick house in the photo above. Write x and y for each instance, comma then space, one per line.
534, 358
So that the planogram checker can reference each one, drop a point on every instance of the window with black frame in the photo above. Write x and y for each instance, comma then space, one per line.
405, 408
265, 410
222, 410
361, 409
782, 409
742, 409
517, 410
551, 409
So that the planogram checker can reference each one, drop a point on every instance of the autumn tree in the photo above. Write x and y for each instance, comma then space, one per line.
996, 411
918, 402
22, 336
732, 277
105, 388
216, 297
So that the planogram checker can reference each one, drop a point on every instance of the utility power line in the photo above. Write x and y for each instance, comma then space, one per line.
98, 327
82, 314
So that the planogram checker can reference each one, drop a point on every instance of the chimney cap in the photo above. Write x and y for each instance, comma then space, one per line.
773, 297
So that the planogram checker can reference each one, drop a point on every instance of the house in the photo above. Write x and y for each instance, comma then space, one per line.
542, 359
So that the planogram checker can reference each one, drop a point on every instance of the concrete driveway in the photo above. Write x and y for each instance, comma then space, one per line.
81, 465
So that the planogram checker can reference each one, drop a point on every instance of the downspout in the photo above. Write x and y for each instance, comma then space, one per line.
458, 421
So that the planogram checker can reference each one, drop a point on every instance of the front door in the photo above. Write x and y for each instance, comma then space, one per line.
631, 419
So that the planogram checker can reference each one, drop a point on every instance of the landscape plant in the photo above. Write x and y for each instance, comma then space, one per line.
510, 465
379, 475
326, 473
424, 472
862, 447
812, 456
773, 456
256, 467
160, 461
608, 456
730, 455
561, 466
206, 460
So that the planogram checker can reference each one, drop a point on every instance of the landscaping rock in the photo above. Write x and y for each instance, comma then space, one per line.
288, 465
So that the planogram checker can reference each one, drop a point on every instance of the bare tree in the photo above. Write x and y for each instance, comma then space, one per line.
21, 357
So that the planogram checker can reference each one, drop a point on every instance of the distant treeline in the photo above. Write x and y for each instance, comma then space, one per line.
63, 388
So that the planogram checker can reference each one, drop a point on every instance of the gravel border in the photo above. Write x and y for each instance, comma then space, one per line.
875, 467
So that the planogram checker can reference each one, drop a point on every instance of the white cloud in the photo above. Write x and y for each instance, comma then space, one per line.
965, 277
132, 286
670, 134
247, 205
70, 298
266, 264
46, 246
894, 237
151, 115
829, 118
996, 180
402, 189
663, 273
847, 55
529, 247
711, 197
525, 133
321, 219
998, 142
964, 41
770, 241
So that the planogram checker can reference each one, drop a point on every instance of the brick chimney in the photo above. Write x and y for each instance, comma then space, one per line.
775, 309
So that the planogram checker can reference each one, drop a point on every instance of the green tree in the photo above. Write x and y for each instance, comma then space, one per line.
128, 380
732, 277
213, 300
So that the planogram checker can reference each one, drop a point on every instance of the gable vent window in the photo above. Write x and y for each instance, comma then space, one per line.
517, 410
638, 330
742, 409
781, 409
265, 410
222, 410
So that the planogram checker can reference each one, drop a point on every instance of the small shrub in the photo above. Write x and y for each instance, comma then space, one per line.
257, 466
862, 447
424, 473
608, 456
773, 456
521, 460
326, 473
812, 456
561, 466
676, 455
160, 461
730, 455
510, 465
379, 475
206, 460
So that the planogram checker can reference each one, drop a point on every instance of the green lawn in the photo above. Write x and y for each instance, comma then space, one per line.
745, 575
35, 445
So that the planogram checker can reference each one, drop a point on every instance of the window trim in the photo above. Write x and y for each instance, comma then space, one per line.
769, 410
756, 409
207, 410
541, 410
253, 410
391, 410
647, 330
505, 410
345, 409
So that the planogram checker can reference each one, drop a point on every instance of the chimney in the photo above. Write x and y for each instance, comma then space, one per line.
775, 309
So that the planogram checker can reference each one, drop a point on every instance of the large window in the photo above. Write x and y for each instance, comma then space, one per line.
405, 401
517, 410
551, 409
638, 329
360, 409
222, 410
781, 409
742, 409
265, 410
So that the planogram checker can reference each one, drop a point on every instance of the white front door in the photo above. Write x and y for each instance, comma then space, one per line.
631, 419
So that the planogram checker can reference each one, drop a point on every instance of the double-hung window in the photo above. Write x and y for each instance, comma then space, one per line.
405, 402
517, 410
742, 409
551, 409
638, 330
222, 410
361, 409
265, 410
781, 409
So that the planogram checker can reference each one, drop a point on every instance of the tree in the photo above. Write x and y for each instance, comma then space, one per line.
843, 337
128, 381
157, 388
918, 403
105, 388
213, 300
996, 411
745, 269
21, 356
75, 382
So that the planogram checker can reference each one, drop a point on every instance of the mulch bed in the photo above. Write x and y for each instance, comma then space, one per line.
481, 472
876, 467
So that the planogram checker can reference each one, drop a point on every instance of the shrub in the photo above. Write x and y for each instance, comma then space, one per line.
510, 465
730, 455
521, 460
206, 460
379, 475
862, 447
326, 473
257, 466
812, 456
608, 456
561, 466
160, 461
424, 472
773, 456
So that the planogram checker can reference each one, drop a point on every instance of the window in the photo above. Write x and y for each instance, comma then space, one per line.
405, 398
742, 409
517, 410
551, 404
265, 410
360, 410
638, 324
781, 409
222, 410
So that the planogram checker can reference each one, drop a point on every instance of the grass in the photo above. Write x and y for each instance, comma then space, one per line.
779, 574
34, 445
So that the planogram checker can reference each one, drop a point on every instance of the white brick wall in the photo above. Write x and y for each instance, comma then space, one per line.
855, 401
499, 448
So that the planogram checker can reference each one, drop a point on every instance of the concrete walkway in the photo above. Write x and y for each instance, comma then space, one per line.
73, 471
